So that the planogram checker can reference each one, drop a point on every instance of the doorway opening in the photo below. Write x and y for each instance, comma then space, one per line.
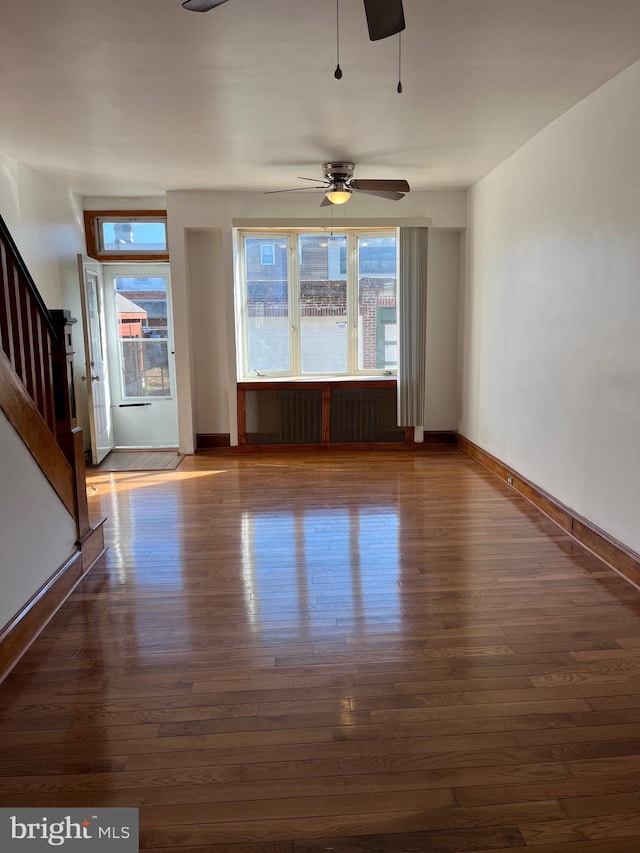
139, 343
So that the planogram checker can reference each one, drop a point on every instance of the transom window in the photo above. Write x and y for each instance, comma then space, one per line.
121, 235
314, 303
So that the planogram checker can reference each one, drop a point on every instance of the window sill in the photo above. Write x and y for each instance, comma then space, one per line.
314, 381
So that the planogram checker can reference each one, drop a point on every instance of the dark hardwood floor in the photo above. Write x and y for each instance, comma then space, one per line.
348, 652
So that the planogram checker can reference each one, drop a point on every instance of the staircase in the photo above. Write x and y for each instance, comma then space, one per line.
37, 398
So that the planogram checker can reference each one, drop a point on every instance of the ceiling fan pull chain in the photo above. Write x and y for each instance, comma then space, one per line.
338, 72
399, 89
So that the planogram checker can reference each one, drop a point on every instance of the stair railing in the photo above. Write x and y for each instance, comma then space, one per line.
37, 346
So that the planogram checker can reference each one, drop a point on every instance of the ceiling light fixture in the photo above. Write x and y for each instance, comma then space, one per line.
338, 193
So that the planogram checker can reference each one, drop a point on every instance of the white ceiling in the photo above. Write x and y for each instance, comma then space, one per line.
135, 97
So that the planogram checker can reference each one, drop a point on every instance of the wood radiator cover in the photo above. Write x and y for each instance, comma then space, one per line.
294, 416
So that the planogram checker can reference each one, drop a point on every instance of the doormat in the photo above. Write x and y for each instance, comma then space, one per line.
139, 460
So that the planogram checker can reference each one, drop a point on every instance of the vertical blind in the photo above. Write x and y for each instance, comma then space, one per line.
412, 326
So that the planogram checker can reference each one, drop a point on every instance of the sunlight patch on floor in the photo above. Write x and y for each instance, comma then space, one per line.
122, 481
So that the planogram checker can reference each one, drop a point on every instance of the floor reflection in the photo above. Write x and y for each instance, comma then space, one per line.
140, 533
307, 570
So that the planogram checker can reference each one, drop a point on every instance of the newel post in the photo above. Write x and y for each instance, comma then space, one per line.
68, 433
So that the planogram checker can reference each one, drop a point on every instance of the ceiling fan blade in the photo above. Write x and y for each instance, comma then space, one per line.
325, 202
390, 194
384, 18
292, 190
202, 5
382, 186
315, 180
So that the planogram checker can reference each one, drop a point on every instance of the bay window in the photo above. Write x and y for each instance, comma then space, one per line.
311, 303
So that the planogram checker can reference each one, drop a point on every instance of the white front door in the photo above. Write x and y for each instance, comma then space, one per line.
96, 373
141, 357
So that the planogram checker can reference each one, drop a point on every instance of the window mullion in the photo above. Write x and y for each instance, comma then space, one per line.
294, 304
352, 303
242, 315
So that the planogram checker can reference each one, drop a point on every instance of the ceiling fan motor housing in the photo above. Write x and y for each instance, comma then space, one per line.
338, 172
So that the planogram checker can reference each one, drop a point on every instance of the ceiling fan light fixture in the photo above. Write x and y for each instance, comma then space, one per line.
338, 196
338, 193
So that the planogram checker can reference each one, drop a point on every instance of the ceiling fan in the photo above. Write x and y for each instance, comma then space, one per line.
338, 185
384, 17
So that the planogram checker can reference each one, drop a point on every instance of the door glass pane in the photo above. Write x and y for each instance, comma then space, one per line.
377, 317
267, 295
143, 330
97, 375
95, 336
323, 303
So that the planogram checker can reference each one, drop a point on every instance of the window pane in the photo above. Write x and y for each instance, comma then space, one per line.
377, 319
323, 303
267, 299
145, 368
133, 236
141, 304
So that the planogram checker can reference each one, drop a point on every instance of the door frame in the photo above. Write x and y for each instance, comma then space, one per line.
135, 407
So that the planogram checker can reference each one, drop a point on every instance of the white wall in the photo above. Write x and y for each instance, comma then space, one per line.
124, 203
443, 276
37, 534
550, 359
210, 399
45, 222
200, 235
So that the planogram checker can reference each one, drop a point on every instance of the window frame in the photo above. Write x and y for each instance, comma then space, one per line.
294, 256
93, 234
